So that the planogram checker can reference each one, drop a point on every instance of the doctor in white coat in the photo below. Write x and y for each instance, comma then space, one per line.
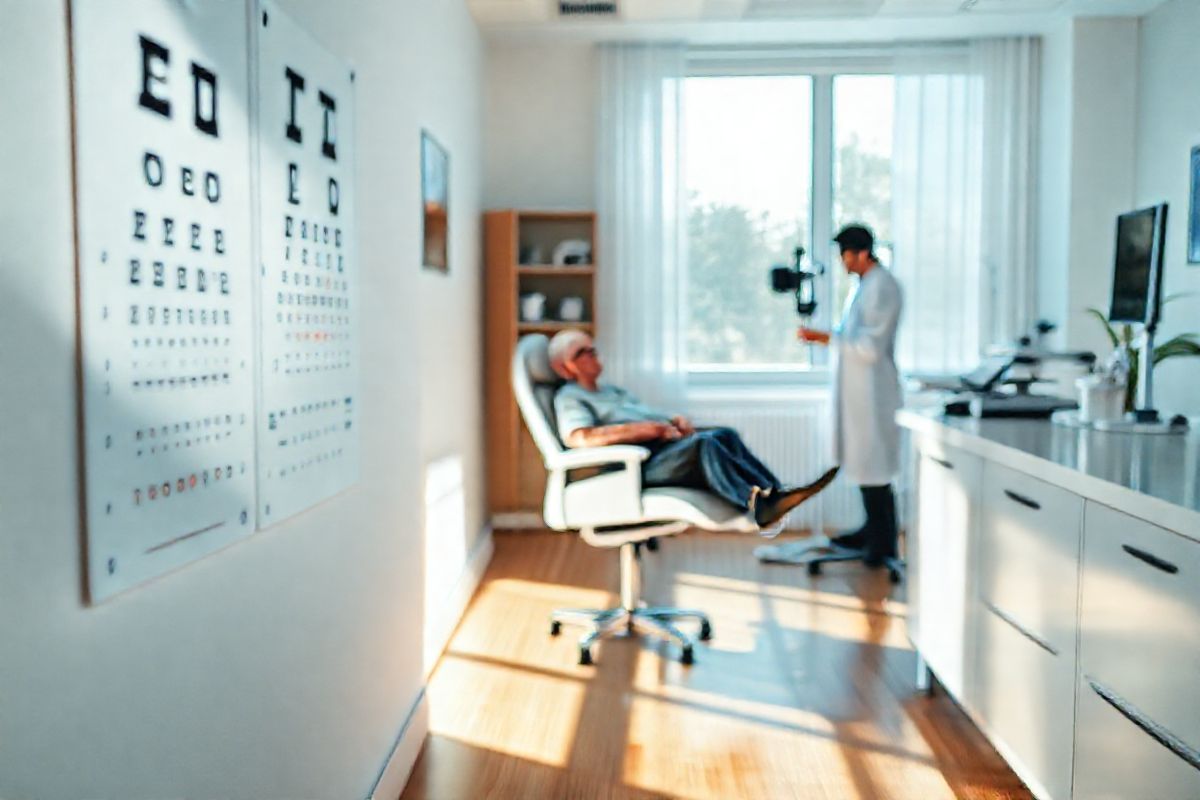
866, 392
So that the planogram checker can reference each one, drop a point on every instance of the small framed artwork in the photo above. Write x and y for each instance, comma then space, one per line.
1194, 210
435, 203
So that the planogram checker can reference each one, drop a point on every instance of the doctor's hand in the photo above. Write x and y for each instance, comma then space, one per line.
812, 335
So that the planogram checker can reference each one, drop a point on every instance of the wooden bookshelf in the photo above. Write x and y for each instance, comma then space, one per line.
551, 328
515, 473
555, 272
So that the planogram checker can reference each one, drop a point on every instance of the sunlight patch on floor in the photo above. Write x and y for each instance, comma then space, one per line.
545, 714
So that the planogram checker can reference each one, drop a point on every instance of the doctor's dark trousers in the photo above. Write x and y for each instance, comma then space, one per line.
714, 460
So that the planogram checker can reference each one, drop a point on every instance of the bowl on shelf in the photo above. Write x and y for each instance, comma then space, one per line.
570, 309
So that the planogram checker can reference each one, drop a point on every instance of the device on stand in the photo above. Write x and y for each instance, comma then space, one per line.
1137, 299
802, 283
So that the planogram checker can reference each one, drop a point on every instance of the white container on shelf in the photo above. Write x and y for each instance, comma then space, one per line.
1100, 399
533, 307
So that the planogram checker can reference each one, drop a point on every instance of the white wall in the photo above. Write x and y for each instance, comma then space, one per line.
285, 666
541, 125
1054, 175
1103, 135
1169, 127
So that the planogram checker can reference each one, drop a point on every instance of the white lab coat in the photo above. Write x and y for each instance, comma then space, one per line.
866, 393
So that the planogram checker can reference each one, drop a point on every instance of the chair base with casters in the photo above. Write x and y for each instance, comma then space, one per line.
817, 551
894, 564
632, 616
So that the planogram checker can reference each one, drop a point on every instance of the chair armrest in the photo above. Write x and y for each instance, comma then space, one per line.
627, 454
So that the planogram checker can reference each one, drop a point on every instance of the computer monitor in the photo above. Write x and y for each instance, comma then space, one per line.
1137, 277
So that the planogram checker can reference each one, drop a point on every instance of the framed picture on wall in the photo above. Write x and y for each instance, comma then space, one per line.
1194, 209
435, 203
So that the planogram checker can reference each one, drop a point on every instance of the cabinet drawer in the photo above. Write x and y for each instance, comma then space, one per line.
942, 552
1121, 753
1140, 617
1029, 553
1026, 697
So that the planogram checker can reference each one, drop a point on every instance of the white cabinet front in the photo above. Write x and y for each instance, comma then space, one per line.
1122, 754
1139, 661
948, 484
1028, 566
1026, 702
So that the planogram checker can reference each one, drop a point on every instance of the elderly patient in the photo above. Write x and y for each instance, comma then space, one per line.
592, 414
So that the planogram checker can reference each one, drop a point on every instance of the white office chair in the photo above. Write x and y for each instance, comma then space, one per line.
611, 509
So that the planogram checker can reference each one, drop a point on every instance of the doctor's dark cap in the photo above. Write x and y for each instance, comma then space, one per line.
855, 237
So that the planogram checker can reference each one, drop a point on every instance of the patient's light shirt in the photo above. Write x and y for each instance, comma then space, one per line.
575, 407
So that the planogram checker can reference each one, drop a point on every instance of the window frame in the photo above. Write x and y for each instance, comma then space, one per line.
822, 66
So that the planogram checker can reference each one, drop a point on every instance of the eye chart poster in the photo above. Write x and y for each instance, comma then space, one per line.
166, 295
308, 416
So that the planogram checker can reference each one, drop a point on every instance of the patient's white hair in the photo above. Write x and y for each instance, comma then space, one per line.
562, 346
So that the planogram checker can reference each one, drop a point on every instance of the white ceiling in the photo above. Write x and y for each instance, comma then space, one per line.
732, 21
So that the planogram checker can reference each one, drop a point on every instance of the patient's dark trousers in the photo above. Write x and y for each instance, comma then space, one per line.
714, 459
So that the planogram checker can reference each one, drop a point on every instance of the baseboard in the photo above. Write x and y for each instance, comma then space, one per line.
531, 521
404, 753
438, 634
518, 520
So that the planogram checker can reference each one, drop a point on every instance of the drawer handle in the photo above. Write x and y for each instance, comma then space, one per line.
1151, 559
1022, 499
1151, 728
1021, 629
941, 462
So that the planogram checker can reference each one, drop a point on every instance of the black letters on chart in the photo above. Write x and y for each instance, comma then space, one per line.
329, 141
156, 61
204, 79
153, 54
295, 84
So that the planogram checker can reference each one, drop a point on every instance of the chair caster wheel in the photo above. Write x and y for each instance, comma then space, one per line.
555, 627
585, 657
705, 630
687, 657
814, 568
894, 575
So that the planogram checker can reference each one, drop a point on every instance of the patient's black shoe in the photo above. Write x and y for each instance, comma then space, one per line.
769, 509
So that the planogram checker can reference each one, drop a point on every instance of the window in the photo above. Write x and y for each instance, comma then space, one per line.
772, 162
862, 166
748, 165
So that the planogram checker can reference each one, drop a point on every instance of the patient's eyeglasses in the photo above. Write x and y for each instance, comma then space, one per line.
584, 351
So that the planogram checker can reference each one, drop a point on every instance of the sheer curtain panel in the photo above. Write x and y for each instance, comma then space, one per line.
639, 186
963, 206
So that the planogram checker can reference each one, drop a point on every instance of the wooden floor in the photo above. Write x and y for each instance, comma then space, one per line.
805, 691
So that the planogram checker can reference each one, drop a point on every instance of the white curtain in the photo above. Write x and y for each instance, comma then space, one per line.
1009, 72
640, 205
962, 167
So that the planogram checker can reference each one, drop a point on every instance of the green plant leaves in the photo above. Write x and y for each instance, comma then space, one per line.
1112, 335
1185, 344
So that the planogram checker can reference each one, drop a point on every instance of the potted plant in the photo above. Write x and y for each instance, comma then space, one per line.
1185, 344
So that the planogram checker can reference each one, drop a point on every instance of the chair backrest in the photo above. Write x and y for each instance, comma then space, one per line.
534, 384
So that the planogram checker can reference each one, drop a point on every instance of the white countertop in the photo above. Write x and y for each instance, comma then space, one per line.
1155, 478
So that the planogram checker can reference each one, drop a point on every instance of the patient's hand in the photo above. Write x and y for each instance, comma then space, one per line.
683, 425
666, 431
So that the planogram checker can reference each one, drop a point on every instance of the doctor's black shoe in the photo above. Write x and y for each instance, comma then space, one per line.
769, 509
851, 540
